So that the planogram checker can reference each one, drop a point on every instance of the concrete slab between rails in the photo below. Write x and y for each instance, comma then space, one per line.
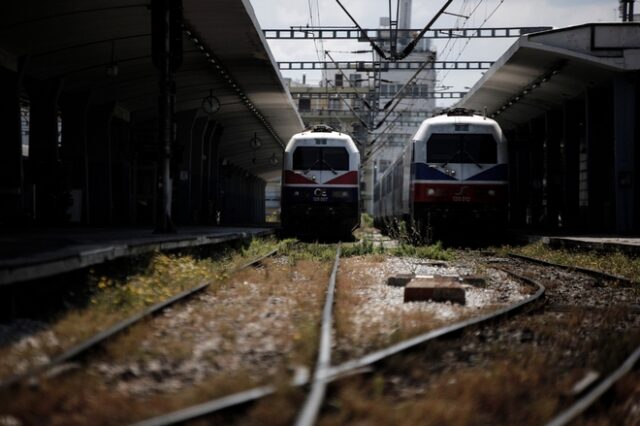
629, 245
32, 254
435, 288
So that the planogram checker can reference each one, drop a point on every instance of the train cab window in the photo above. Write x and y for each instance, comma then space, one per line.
316, 158
443, 148
306, 157
457, 148
336, 158
480, 148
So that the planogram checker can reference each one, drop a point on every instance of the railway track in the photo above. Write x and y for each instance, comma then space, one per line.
583, 404
325, 373
103, 336
378, 361
591, 272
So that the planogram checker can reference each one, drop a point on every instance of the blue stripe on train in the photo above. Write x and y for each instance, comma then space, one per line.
498, 172
422, 171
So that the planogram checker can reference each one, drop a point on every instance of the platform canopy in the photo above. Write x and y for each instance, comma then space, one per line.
225, 53
542, 70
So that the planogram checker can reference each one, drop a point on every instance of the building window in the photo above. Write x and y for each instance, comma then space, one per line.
304, 104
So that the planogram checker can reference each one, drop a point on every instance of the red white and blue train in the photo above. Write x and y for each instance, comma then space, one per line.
320, 184
452, 174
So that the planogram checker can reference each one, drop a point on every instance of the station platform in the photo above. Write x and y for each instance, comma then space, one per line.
629, 245
39, 253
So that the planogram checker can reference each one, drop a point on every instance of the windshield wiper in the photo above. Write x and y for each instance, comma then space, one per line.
451, 158
473, 160
311, 167
329, 166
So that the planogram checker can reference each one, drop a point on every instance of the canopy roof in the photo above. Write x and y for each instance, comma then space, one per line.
542, 70
75, 41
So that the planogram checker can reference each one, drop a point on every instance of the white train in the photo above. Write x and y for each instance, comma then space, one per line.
454, 172
320, 184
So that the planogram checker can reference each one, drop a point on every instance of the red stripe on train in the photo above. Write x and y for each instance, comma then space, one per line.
291, 177
459, 193
350, 178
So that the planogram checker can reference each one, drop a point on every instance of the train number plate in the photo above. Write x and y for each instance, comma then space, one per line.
320, 195
461, 198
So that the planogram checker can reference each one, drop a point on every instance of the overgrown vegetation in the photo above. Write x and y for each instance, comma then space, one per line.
113, 298
616, 262
296, 251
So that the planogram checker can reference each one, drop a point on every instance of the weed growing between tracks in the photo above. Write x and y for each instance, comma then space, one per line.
615, 262
252, 328
113, 297
518, 373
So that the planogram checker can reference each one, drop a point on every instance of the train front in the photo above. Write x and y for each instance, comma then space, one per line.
320, 185
459, 174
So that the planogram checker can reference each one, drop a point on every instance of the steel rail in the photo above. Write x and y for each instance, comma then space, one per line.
115, 329
369, 359
589, 399
208, 407
311, 407
591, 272
349, 367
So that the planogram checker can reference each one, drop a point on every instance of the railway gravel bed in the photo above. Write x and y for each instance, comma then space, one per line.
520, 371
374, 315
261, 327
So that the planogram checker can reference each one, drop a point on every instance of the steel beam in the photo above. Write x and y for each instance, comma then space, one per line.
428, 95
351, 33
342, 113
369, 66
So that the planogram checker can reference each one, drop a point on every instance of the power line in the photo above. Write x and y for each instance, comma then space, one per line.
467, 42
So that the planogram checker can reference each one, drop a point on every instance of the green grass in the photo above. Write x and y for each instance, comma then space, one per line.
433, 251
296, 251
615, 262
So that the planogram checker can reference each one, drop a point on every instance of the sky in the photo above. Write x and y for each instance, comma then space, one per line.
283, 14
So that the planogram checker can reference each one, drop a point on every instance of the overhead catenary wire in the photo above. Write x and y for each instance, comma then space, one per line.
489, 16
409, 47
373, 44
413, 43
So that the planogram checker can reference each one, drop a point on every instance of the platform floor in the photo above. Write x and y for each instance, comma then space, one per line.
38, 253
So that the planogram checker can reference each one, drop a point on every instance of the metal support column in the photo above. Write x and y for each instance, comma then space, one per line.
625, 137
600, 209
166, 31
573, 131
46, 169
186, 124
74, 153
11, 169
553, 168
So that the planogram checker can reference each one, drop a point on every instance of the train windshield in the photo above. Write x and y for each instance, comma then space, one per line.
316, 158
462, 148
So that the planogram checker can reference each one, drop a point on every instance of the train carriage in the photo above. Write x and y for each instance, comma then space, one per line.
457, 175
320, 186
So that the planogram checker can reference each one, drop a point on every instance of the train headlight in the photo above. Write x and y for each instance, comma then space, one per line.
342, 195
492, 193
431, 191
296, 193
